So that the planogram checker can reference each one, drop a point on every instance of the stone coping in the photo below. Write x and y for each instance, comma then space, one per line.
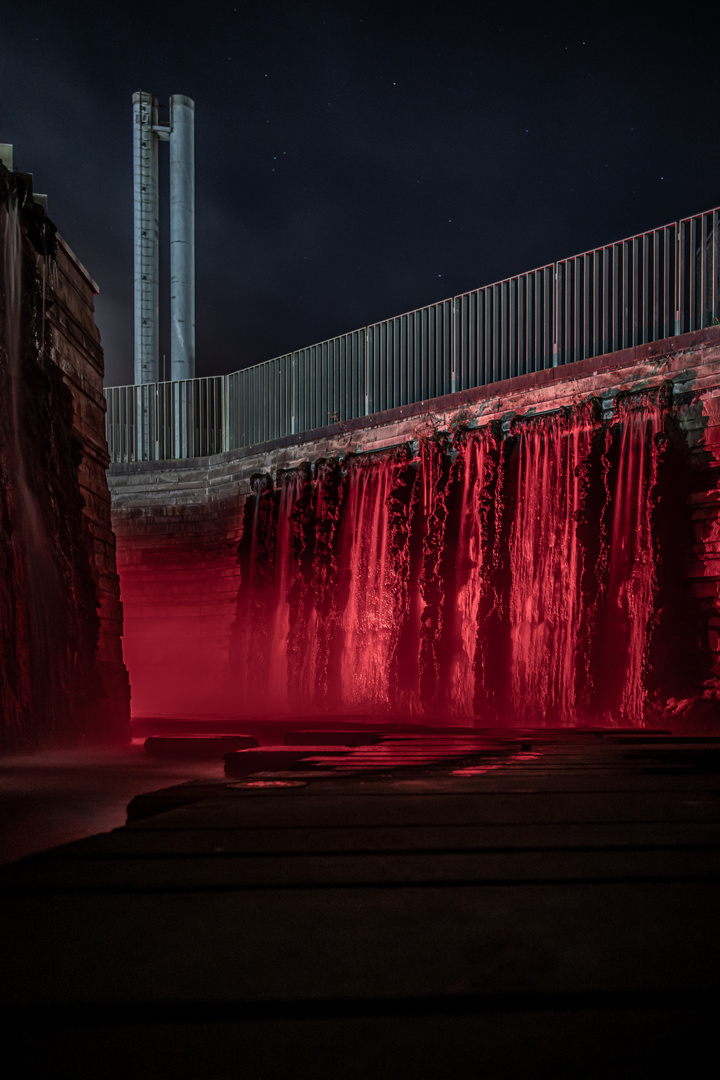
625, 358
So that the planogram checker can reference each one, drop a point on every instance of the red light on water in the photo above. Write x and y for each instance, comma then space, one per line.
267, 784
480, 770
510, 581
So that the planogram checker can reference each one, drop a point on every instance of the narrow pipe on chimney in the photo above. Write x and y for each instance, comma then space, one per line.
182, 237
147, 254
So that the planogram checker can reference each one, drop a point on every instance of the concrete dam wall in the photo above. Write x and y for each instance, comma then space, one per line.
62, 677
538, 551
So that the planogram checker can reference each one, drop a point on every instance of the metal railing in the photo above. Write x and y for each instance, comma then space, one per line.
644, 288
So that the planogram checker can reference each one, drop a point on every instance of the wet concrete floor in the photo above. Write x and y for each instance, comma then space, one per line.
541, 904
53, 797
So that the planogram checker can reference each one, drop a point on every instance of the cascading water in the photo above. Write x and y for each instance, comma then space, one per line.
467, 569
627, 586
263, 619
365, 609
546, 563
490, 579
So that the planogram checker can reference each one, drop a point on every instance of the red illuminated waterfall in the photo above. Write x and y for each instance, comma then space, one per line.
629, 554
507, 578
546, 562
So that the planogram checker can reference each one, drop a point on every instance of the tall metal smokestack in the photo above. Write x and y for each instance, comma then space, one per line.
182, 237
147, 252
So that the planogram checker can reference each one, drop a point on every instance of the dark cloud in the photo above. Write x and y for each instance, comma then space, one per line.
355, 160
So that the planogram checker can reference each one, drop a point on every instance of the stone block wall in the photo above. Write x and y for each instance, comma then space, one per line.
77, 351
62, 676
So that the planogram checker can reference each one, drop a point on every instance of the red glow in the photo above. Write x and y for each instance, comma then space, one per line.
501, 580
267, 783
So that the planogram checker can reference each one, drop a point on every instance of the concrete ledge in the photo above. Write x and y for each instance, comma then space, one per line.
609, 363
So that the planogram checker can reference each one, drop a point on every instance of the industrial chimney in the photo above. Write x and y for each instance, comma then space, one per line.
180, 133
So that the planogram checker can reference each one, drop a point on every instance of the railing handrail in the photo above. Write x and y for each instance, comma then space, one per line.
644, 287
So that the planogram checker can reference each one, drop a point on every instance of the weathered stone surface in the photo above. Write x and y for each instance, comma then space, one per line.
63, 678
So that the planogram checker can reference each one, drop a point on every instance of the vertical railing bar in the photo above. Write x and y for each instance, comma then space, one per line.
381, 364
455, 366
646, 286
468, 315
410, 360
267, 398
656, 286
520, 329
480, 337
702, 286
558, 354
637, 250
570, 269
255, 414
612, 306
257, 404
558, 313
204, 425
198, 418
390, 364
593, 302
538, 320
531, 323
669, 242
680, 280
263, 392
548, 315
384, 357
208, 394
670, 256
483, 337
544, 316
499, 332
578, 325
574, 303
431, 353
250, 413
623, 297
397, 362
577, 320
512, 328
714, 268
504, 304
584, 341
492, 333
196, 431
226, 438
692, 271
350, 377
618, 298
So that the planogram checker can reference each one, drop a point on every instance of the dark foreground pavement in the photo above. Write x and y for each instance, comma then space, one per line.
541, 905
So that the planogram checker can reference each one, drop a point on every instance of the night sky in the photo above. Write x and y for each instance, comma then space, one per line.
357, 160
